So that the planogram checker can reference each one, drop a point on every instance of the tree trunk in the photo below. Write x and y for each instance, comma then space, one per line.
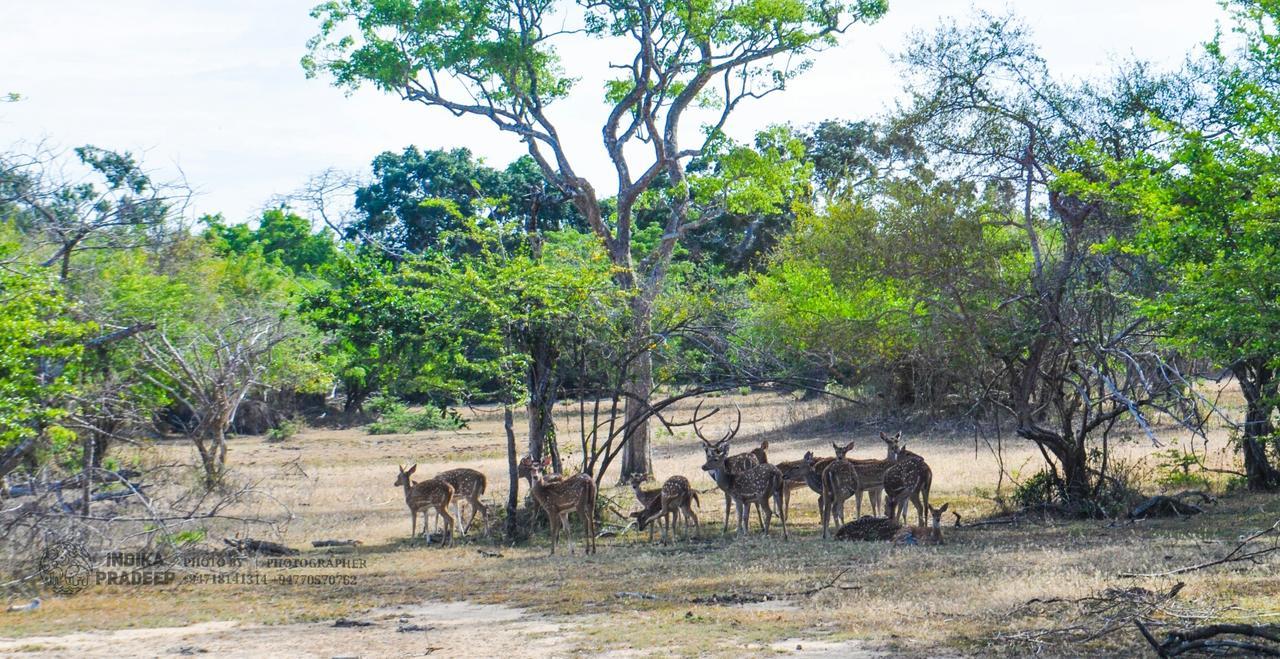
636, 457
1075, 474
542, 401
1259, 389
513, 479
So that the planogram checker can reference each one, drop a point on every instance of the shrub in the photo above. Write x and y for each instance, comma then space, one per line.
395, 417
286, 429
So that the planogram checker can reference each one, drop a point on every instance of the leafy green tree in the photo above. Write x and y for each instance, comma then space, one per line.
1207, 203
416, 196
499, 61
40, 347
281, 235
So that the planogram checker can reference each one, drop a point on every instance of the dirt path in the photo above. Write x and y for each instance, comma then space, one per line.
441, 629
448, 629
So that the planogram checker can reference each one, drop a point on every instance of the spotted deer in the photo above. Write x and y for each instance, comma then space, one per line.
468, 485
757, 485
871, 478
738, 463
433, 493
675, 500
924, 535
908, 479
839, 482
869, 529
650, 503
558, 497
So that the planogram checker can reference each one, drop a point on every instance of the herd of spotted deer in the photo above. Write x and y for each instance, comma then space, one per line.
746, 479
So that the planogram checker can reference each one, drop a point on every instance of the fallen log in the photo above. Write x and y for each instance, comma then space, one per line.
336, 543
260, 547
1234, 639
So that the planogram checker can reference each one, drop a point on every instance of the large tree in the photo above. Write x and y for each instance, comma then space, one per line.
1075, 354
1207, 202
499, 60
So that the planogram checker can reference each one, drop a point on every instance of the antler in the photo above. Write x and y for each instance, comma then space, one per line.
697, 418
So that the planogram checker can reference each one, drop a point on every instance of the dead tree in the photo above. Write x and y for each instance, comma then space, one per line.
209, 372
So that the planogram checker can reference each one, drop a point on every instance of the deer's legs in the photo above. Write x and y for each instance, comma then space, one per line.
782, 515
447, 536
727, 500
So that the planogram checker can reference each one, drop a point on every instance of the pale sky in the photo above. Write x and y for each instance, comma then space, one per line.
214, 86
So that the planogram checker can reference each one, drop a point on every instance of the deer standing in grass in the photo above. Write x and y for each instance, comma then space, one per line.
433, 493
737, 464
560, 496
757, 485
650, 503
675, 500
468, 485
910, 478
924, 535
839, 482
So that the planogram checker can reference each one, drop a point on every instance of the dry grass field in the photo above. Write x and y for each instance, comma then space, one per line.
991, 590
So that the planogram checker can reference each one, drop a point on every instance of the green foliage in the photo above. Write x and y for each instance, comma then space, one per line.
40, 349
283, 431
395, 417
416, 197
281, 236
1040, 489
1178, 469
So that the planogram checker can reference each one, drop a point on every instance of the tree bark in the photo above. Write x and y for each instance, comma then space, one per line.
542, 400
636, 456
1258, 385
513, 479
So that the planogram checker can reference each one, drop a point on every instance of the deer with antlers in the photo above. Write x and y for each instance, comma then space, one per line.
560, 496
910, 478
433, 493
757, 485
738, 463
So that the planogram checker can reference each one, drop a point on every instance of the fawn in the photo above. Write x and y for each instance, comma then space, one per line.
432, 492
675, 499
924, 535
908, 479
650, 502
468, 485
561, 496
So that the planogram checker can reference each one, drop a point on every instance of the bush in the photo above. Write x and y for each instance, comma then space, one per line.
286, 429
394, 417
1038, 490
1179, 469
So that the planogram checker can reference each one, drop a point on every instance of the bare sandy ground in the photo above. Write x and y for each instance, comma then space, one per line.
440, 629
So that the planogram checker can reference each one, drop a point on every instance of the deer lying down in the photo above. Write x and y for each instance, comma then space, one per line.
882, 529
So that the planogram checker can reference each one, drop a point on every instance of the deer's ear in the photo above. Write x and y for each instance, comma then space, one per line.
898, 436
764, 446
943, 507
546, 460
848, 447
835, 446
884, 436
